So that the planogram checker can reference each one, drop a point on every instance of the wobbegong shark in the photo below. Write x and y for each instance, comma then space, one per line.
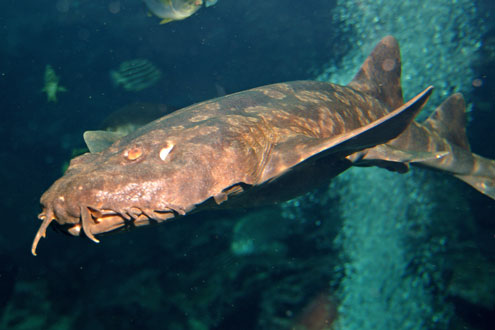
261, 146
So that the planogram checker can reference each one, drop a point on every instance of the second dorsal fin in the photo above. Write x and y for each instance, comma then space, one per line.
449, 121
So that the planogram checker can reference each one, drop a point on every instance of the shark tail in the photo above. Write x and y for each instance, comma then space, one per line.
440, 143
484, 184
449, 122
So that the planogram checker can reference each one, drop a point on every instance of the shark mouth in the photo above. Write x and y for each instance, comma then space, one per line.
93, 221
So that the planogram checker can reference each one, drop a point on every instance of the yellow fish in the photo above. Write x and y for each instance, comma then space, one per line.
175, 10
52, 86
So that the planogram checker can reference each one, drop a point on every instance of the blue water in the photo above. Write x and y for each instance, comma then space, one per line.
371, 250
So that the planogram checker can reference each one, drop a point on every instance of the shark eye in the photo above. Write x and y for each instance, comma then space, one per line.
133, 153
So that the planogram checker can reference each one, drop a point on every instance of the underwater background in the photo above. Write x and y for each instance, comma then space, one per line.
370, 250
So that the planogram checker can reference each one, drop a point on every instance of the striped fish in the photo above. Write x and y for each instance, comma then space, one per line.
136, 75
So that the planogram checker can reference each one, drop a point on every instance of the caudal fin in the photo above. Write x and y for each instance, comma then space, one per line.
379, 75
441, 143
446, 129
449, 121
484, 184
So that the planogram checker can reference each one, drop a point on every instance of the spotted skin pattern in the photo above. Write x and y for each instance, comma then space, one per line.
260, 146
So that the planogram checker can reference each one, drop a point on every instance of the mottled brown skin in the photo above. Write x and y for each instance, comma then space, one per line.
258, 146
246, 138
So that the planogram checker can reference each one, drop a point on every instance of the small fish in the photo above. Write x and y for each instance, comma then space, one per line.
136, 75
123, 122
175, 10
118, 124
260, 146
52, 86
209, 3
132, 116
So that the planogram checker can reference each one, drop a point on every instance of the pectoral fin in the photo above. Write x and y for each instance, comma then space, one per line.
97, 141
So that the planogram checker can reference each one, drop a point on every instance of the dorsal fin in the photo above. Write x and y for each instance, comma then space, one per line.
379, 75
449, 121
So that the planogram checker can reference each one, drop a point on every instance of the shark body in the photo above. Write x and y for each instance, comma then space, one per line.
261, 146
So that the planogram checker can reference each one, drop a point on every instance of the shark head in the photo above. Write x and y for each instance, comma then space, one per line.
127, 185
